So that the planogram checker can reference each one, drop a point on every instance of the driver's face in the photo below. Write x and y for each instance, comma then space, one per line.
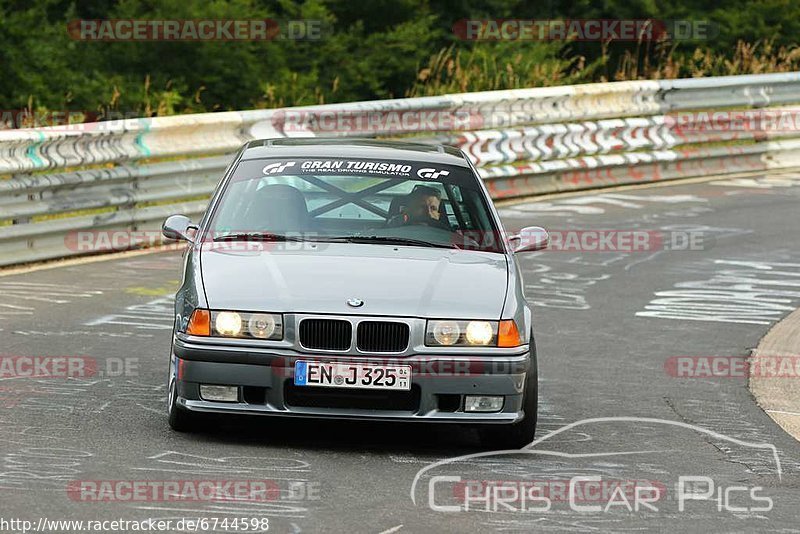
432, 206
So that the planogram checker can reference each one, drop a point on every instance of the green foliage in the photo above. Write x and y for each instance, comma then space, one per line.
502, 65
370, 49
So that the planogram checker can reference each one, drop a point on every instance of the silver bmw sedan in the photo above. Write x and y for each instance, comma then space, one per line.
355, 279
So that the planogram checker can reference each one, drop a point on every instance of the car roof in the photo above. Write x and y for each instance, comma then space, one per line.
353, 148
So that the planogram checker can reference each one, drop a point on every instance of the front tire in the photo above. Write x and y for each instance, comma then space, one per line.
521, 433
180, 420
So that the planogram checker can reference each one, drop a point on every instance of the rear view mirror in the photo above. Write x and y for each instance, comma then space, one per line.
179, 227
530, 239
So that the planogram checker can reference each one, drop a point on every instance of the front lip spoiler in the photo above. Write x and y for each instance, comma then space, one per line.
350, 415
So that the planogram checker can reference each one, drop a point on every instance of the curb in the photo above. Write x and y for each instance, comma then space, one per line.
779, 396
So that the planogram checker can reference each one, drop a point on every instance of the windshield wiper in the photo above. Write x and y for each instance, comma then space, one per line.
388, 240
377, 239
257, 236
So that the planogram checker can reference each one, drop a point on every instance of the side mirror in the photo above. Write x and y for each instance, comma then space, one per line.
530, 239
179, 227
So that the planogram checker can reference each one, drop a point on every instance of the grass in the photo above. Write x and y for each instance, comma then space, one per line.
485, 68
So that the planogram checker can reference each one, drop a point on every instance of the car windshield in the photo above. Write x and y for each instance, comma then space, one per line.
355, 200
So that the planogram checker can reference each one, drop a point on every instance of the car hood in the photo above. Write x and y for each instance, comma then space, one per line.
391, 280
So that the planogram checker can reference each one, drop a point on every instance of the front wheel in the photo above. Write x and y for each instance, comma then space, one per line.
521, 433
180, 420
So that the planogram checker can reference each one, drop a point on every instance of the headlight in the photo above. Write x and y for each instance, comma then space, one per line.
461, 333
479, 332
261, 325
228, 323
446, 332
247, 325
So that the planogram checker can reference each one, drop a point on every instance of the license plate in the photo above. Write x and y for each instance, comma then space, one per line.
352, 375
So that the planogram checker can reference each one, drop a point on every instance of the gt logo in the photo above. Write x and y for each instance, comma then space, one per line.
431, 174
275, 168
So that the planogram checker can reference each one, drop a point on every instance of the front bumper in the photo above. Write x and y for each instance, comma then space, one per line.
266, 386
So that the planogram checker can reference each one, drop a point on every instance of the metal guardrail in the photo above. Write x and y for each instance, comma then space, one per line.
525, 142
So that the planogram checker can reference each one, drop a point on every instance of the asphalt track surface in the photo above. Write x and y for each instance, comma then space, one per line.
607, 324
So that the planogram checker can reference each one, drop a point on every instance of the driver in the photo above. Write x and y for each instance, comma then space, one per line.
423, 206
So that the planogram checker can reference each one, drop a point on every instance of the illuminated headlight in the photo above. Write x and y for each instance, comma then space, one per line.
461, 333
480, 332
247, 325
228, 323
